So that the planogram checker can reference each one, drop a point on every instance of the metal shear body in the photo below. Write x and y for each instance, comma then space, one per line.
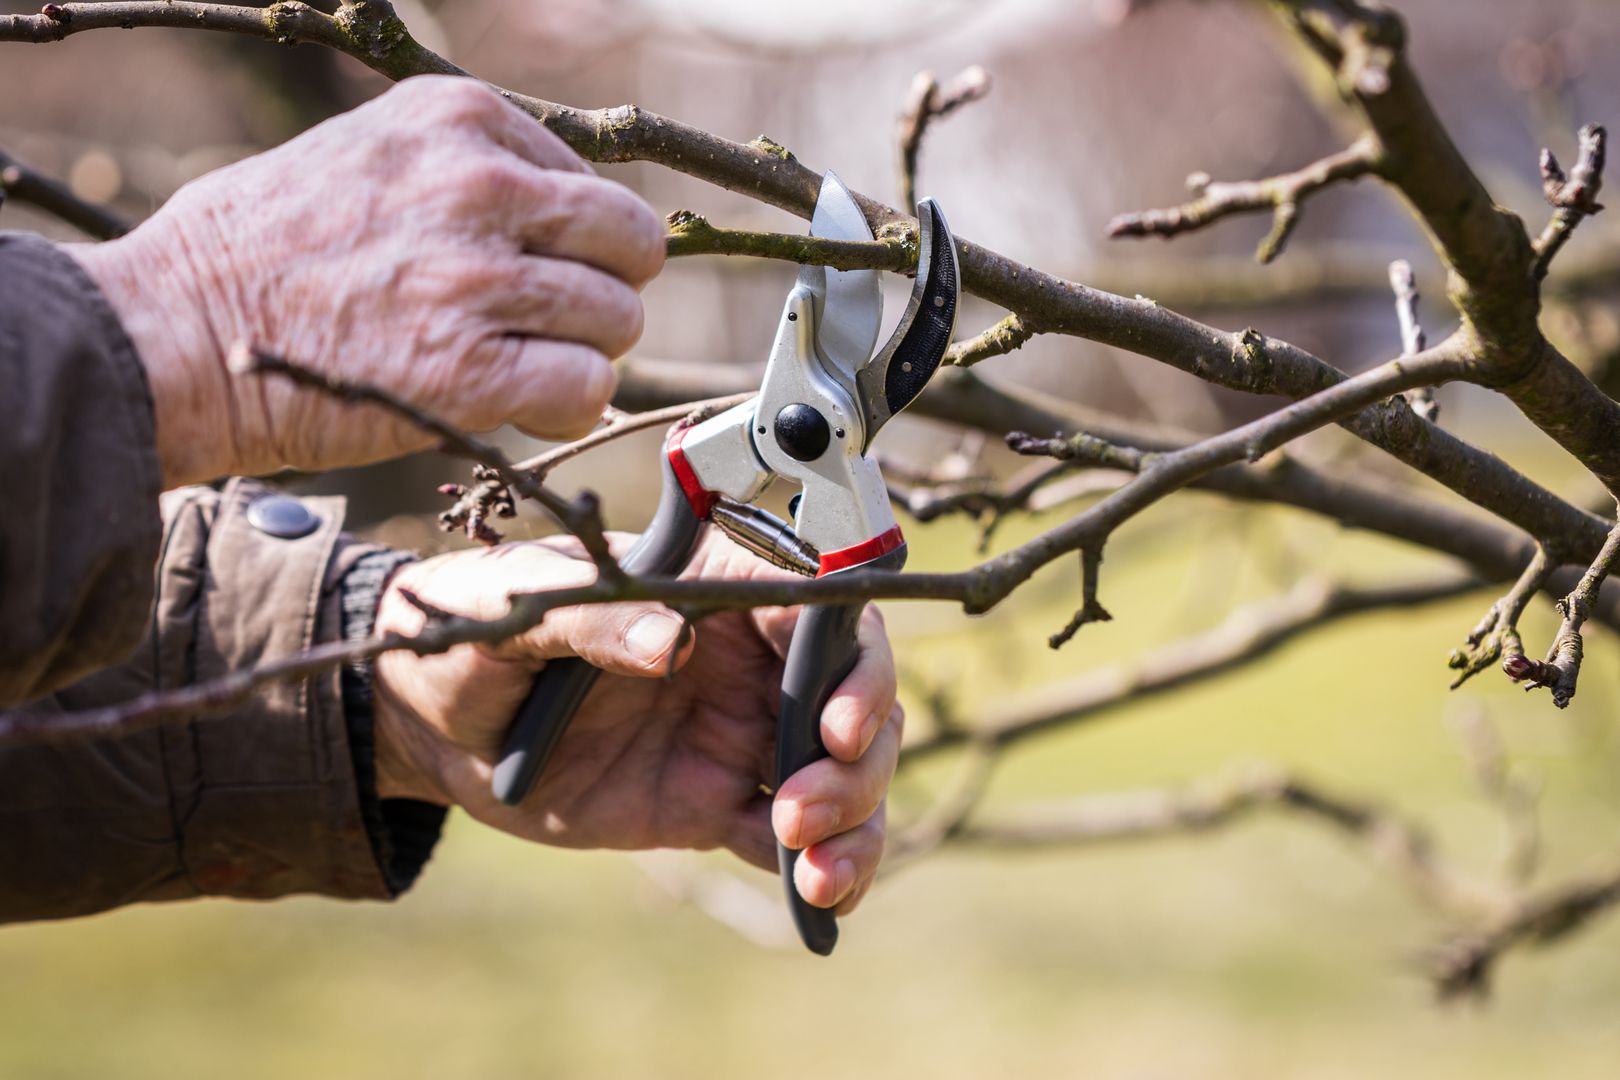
823, 397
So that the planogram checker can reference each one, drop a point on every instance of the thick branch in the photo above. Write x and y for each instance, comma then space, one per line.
1489, 255
1281, 194
371, 33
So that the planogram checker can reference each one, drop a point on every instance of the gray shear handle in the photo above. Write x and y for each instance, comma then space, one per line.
561, 686
820, 656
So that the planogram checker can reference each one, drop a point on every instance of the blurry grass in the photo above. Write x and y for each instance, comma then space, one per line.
1271, 949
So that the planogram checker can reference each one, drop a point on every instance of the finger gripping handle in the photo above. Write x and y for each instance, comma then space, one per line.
820, 655
561, 686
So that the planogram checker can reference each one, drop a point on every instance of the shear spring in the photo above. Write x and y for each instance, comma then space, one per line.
767, 536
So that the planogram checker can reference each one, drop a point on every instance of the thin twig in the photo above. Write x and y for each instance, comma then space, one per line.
1404, 284
581, 515
1497, 634
692, 234
690, 412
1562, 666
1002, 338
1404, 847
1244, 636
1280, 194
926, 102
26, 185
1572, 197
1462, 967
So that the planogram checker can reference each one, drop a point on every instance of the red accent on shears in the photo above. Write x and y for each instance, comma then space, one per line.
863, 552
700, 498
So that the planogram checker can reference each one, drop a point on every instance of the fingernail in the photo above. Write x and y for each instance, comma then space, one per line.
869, 729
843, 878
817, 822
649, 638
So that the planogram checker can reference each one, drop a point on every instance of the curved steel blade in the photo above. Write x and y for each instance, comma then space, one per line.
894, 377
851, 300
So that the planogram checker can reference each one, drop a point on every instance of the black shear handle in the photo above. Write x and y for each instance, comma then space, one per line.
561, 686
820, 656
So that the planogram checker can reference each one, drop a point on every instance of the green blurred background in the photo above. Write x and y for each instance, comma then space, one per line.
1268, 948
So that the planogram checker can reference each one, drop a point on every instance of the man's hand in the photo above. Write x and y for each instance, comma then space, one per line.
435, 242
648, 761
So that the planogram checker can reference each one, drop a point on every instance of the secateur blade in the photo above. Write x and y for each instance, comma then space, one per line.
893, 378
850, 302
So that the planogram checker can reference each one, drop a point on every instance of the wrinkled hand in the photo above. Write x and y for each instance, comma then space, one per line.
648, 761
435, 242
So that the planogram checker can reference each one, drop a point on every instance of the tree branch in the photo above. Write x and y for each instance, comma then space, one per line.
1497, 551
1562, 667
19, 182
691, 234
1463, 966
1404, 284
1002, 338
1402, 846
1572, 197
685, 413
1497, 634
926, 102
1281, 194
580, 516
1244, 636
370, 32
1486, 249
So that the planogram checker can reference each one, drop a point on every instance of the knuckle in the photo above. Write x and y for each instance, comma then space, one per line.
451, 99
486, 181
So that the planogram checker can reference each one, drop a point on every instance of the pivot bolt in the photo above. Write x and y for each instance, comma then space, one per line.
802, 432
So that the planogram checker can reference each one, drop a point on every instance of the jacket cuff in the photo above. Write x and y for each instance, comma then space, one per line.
266, 797
403, 831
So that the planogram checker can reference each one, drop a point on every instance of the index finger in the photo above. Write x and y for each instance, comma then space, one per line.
529, 138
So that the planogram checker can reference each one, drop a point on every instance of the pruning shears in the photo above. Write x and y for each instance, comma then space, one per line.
824, 396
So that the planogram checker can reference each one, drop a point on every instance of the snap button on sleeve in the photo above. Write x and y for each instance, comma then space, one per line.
282, 516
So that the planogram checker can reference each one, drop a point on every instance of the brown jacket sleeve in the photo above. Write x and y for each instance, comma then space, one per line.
258, 804
277, 797
79, 477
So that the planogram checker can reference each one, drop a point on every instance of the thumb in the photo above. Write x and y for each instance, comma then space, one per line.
643, 639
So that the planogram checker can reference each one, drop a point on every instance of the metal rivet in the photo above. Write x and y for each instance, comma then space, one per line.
282, 516
793, 316
906, 366
839, 432
939, 301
